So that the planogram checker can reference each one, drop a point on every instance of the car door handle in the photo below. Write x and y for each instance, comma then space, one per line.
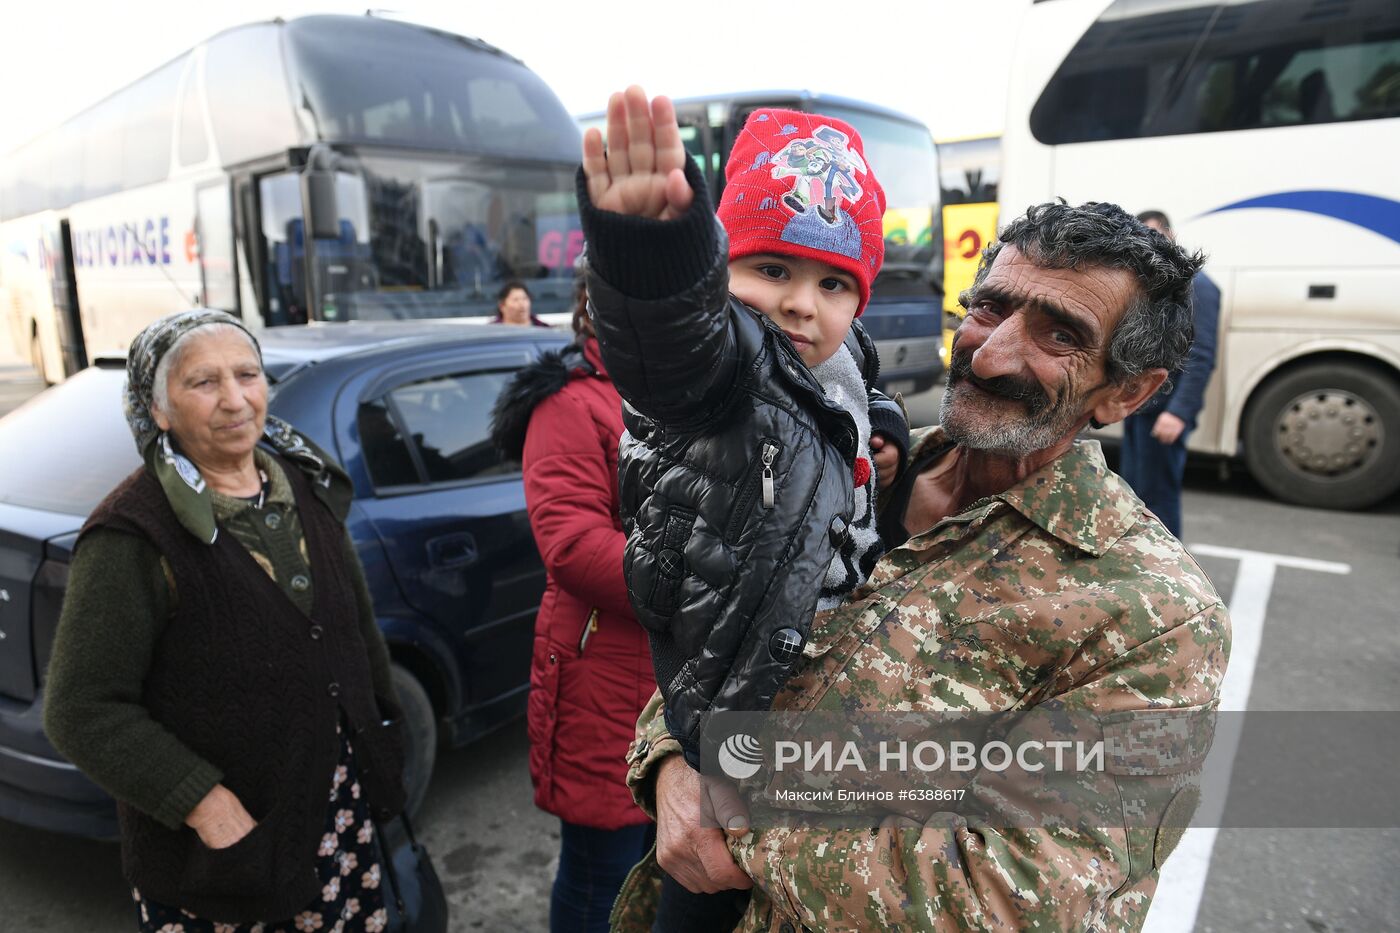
454, 550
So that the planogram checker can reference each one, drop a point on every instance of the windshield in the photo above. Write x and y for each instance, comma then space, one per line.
904, 159
427, 238
370, 80
970, 170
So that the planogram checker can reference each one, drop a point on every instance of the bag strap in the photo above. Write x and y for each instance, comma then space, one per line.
390, 873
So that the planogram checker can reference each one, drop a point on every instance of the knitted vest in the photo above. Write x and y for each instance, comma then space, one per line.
255, 687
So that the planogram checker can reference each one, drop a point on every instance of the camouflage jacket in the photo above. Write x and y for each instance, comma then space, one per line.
1063, 590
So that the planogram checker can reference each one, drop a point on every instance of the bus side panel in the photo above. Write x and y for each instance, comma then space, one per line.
1255, 355
135, 259
967, 230
1279, 268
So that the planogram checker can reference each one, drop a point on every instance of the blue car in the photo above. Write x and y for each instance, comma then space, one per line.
438, 520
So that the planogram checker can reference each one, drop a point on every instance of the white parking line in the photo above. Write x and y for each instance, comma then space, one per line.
1183, 880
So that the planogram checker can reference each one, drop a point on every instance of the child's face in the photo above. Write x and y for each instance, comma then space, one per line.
812, 302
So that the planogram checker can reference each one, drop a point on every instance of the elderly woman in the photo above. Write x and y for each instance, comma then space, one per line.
217, 667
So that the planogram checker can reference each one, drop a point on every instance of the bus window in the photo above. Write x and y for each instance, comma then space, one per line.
193, 143
147, 125
693, 138
1283, 86
101, 129
969, 170
1153, 69
285, 271
436, 238
702, 140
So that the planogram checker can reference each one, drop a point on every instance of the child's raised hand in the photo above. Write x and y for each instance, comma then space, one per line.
642, 172
886, 460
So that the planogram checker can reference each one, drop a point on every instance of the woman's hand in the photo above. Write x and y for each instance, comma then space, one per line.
642, 172
886, 460
220, 819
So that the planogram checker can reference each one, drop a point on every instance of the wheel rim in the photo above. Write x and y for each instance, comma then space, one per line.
1328, 434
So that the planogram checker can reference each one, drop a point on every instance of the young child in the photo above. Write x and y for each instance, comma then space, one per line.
746, 476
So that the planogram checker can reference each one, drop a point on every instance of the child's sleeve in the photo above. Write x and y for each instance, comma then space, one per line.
887, 418
658, 292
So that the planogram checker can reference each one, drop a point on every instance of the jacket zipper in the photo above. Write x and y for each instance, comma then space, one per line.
758, 481
590, 626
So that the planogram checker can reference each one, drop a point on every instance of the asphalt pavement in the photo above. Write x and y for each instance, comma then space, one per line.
1314, 638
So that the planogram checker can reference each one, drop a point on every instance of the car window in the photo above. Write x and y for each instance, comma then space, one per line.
384, 448
448, 421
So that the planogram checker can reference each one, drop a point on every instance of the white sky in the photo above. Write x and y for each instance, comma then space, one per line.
942, 61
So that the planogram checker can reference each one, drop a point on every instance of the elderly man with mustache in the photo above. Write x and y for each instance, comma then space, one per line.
1022, 575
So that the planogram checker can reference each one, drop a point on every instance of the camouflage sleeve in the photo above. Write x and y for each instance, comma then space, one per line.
652, 745
984, 868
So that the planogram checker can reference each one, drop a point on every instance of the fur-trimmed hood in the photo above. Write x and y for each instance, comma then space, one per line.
531, 386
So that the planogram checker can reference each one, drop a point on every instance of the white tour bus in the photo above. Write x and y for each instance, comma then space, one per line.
1269, 131
430, 169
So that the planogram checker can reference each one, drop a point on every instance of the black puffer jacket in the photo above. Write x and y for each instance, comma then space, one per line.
717, 396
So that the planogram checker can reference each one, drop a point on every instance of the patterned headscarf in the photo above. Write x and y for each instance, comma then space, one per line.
184, 487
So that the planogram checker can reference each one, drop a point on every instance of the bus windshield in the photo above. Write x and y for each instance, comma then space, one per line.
904, 159
426, 238
386, 83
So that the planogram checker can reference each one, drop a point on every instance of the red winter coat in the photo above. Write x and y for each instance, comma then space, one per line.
591, 671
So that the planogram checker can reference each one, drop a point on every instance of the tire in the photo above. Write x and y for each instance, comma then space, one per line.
419, 736
1326, 435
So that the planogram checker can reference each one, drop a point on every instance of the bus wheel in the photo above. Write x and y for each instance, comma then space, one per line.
419, 736
1326, 435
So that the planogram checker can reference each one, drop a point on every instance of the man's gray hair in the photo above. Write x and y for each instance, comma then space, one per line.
160, 387
1157, 327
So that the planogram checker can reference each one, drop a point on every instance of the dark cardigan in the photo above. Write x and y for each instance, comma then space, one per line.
254, 686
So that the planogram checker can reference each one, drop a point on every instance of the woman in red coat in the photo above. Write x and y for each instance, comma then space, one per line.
591, 673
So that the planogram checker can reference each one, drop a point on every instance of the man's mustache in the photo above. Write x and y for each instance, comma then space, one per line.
1008, 387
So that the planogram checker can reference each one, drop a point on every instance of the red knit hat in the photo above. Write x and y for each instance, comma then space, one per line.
797, 184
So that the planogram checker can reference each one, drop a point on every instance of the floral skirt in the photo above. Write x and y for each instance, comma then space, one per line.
347, 862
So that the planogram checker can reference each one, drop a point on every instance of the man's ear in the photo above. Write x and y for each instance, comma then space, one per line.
1122, 399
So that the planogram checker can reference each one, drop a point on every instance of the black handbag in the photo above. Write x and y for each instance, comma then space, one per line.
413, 893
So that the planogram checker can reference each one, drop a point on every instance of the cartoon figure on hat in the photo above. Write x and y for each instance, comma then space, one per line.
823, 167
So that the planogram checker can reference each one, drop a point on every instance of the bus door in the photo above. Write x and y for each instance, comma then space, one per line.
704, 143
333, 266
63, 284
214, 244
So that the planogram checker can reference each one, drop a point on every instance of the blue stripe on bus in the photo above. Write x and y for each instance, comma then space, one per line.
1377, 214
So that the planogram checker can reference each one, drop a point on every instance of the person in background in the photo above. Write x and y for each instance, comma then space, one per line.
1153, 459
513, 306
591, 673
218, 668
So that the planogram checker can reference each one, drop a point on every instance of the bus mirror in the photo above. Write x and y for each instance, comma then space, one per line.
318, 194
